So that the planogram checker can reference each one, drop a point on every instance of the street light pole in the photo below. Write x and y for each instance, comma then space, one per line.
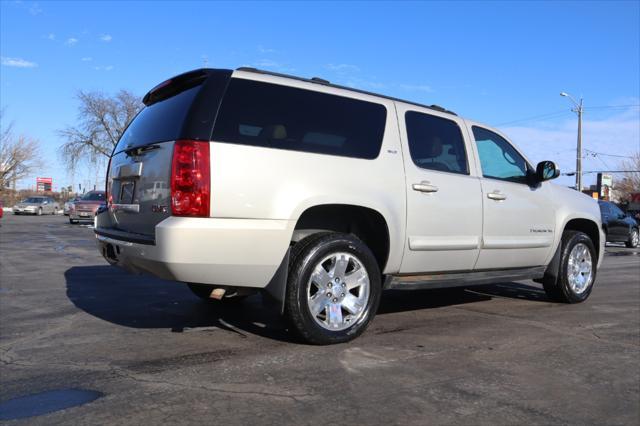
578, 110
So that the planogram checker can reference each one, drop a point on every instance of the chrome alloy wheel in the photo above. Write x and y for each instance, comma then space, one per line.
338, 291
634, 238
580, 268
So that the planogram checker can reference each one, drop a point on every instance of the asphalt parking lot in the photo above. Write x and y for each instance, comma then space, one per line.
152, 353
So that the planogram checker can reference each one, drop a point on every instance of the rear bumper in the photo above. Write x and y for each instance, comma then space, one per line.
24, 211
75, 215
233, 252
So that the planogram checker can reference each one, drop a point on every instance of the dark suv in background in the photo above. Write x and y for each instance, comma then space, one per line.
618, 226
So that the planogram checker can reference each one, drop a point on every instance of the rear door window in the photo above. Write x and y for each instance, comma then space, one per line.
436, 143
274, 116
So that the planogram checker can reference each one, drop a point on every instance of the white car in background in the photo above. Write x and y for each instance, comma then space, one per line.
69, 205
37, 206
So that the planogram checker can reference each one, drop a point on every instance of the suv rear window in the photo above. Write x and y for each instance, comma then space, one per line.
274, 116
160, 122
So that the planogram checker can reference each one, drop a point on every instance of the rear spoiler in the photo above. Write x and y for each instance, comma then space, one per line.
175, 85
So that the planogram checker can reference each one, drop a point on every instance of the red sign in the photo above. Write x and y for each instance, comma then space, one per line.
44, 184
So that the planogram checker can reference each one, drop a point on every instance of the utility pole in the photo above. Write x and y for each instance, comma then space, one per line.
578, 110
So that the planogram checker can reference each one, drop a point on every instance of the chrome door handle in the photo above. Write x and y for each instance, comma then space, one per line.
496, 195
424, 187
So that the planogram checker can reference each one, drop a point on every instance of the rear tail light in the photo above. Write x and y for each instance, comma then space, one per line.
190, 179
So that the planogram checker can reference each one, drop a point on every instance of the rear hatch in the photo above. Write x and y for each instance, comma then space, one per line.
138, 179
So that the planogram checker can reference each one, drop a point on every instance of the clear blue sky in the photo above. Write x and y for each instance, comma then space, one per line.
496, 62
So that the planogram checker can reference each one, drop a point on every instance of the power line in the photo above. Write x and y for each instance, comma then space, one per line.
560, 113
601, 160
613, 106
603, 171
594, 153
547, 115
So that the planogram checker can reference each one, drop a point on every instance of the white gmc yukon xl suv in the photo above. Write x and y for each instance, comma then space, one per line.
322, 196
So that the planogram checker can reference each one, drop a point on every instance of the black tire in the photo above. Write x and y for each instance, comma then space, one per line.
39, 211
305, 256
558, 289
203, 291
632, 242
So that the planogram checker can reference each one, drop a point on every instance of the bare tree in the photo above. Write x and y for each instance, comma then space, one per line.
630, 181
102, 120
18, 155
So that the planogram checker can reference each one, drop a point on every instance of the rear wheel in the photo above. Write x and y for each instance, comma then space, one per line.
578, 260
634, 239
333, 288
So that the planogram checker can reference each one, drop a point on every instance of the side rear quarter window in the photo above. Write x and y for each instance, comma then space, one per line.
436, 143
275, 116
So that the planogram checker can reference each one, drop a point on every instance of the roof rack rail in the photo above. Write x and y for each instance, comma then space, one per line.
327, 83
320, 80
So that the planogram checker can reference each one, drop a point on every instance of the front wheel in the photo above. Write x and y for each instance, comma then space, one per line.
333, 288
634, 239
39, 211
577, 273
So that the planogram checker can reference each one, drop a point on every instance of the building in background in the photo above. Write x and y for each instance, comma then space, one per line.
44, 184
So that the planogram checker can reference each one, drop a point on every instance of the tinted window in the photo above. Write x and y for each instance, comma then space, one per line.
94, 196
436, 143
615, 210
498, 159
158, 122
274, 116
34, 200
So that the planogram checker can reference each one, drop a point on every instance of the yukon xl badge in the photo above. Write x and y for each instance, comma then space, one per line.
541, 231
157, 208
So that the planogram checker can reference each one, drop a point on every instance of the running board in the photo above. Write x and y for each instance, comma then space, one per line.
461, 279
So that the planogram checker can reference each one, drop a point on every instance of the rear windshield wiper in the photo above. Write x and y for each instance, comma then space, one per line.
134, 152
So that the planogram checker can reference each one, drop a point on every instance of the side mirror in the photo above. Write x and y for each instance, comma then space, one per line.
547, 170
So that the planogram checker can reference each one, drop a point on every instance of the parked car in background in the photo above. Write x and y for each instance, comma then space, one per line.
1, 210
322, 196
37, 205
68, 204
85, 208
618, 226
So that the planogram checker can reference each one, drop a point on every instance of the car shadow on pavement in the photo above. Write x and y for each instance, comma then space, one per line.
403, 300
141, 301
